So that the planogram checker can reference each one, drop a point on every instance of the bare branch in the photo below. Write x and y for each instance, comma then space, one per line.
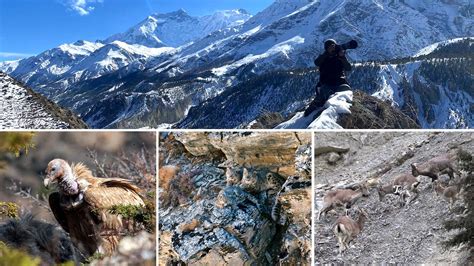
26, 194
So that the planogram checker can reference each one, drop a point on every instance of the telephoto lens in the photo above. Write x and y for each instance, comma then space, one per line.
348, 45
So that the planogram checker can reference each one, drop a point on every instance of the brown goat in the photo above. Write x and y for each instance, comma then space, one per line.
347, 229
432, 168
403, 184
450, 193
342, 197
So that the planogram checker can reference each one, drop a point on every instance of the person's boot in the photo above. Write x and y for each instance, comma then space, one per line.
315, 104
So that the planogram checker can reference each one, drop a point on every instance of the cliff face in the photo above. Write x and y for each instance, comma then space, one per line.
235, 198
393, 233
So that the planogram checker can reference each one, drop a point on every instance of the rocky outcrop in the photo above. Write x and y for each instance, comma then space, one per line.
276, 153
349, 110
262, 217
368, 112
409, 234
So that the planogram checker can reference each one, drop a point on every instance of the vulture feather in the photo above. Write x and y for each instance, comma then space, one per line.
82, 206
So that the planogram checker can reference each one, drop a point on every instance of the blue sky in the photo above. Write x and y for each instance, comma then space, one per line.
29, 27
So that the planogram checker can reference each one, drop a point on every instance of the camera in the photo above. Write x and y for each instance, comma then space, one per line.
348, 45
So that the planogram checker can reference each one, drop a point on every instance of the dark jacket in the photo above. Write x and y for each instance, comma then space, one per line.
332, 69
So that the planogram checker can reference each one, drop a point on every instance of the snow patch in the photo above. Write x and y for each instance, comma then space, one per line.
19, 110
431, 48
283, 48
339, 103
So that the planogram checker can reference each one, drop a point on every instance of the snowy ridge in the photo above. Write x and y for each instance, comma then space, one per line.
20, 110
161, 29
80, 47
114, 56
339, 103
431, 48
453, 104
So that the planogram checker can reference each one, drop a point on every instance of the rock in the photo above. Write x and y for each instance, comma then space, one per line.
255, 149
368, 112
333, 157
139, 244
196, 143
303, 159
230, 222
267, 120
318, 150
138, 249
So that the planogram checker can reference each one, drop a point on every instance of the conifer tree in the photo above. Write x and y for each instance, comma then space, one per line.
464, 221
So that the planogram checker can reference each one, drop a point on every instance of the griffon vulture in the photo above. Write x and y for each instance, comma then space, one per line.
82, 206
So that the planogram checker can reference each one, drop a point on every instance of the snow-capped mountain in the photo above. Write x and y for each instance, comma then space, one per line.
165, 86
179, 28
52, 71
446, 47
21, 108
286, 39
51, 64
434, 89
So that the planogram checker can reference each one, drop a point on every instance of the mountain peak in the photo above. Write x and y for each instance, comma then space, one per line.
161, 29
178, 13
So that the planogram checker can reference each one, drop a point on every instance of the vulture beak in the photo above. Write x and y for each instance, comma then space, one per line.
46, 182
49, 181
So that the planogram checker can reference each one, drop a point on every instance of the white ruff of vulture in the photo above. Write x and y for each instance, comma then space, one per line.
82, 206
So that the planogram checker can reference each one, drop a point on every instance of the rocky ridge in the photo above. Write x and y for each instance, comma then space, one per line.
22, 108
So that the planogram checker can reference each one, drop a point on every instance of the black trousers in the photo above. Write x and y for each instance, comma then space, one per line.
322, 95
325, 91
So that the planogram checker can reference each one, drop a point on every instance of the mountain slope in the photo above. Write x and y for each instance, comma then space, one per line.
433, 89
21, 108
392, 234
284, 36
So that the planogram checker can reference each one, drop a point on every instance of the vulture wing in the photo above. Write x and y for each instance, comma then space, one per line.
104, 194
112, 191
54, 203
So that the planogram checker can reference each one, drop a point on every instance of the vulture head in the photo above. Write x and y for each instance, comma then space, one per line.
60, 173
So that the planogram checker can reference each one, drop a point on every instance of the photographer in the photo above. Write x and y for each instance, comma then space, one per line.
332, 66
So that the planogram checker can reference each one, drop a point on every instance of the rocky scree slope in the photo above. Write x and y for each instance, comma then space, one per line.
392, 233
207, 218
22, 108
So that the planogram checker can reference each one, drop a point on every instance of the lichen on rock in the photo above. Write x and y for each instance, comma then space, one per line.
234, 223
